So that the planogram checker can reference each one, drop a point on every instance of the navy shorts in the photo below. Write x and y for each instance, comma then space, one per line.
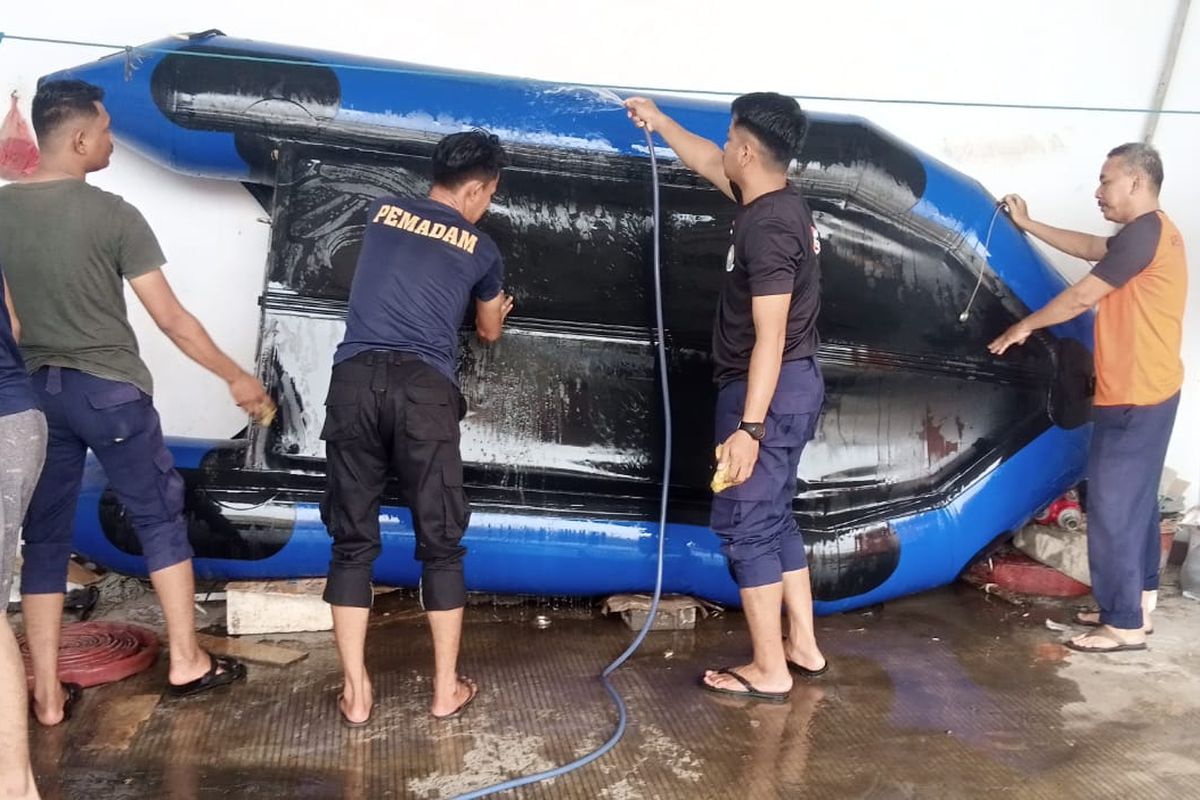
755, 520
118, 422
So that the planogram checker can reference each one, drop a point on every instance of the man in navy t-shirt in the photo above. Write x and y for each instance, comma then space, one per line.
394, 404
420, 264
22, 451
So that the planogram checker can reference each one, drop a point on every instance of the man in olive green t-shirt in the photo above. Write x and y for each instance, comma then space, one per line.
70, 246
67, 247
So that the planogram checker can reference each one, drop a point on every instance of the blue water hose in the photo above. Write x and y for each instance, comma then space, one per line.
622, 712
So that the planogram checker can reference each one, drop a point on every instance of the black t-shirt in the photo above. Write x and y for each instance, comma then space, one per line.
420, 265
774, 251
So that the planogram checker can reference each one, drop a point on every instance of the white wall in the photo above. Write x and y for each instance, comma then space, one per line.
1069, 52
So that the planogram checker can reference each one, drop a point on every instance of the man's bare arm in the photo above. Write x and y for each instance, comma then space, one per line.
739, 453
1067, 305
12, 313
770, 313
490, 316
190, 337
698, 154
1074, 243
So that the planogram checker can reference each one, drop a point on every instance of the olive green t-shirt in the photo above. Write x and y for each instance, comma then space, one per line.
66, 246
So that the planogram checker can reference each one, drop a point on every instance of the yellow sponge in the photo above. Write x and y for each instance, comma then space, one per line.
265, 418
720, 478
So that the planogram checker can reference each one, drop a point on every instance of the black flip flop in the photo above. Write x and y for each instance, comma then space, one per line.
346, 720
74, 693
1094, 623
1117, 647
233, 670
751, 692
82, 600
463, 705
805, 672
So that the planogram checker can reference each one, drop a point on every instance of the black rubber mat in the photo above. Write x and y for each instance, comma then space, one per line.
945, 695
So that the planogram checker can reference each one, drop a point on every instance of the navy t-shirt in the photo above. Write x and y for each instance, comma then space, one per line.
16, 393
421, 264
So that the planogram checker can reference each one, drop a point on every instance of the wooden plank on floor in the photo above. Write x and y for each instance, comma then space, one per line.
122, 718
77, 573
254, 652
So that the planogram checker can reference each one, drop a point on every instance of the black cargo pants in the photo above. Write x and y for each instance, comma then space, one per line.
389, 413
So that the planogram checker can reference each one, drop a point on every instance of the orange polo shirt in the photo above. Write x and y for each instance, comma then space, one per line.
1139, 325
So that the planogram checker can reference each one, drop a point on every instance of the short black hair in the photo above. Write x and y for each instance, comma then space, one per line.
776, 121
460, 157
1140, 157
58, 101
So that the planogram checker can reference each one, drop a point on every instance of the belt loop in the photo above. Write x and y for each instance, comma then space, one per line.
54, 380
379, 376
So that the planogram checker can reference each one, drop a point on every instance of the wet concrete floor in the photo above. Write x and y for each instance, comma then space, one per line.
950, 694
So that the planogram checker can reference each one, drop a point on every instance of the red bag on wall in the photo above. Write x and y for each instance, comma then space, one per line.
18, 148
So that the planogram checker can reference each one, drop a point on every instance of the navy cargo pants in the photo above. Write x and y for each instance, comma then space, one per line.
389, 413
756, 520
1125, 464
118, 422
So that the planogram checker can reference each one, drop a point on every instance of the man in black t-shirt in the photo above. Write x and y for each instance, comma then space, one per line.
394, 405
771, 390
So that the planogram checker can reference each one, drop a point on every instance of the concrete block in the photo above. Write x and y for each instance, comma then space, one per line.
679, 619
276, 607
675, 612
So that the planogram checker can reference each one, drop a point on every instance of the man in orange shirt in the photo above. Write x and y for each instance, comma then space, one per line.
1140, 285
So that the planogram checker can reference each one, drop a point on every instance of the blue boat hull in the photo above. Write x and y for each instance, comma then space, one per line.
928, 450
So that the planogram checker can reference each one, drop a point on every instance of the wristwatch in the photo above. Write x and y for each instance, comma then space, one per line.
757, 430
